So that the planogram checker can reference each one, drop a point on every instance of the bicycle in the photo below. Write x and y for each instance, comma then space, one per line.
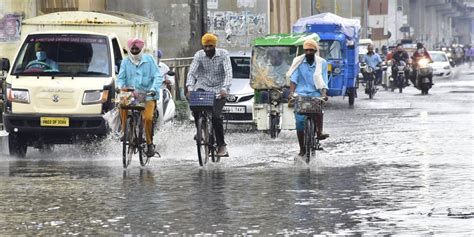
202, 105
310, 107
133, 140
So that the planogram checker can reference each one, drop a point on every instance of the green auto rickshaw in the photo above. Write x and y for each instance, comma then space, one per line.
272, 57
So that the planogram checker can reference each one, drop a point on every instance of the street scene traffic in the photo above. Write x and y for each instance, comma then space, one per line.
237, 118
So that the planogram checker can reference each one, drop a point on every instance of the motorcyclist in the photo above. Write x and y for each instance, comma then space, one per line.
384, 53
164, 69
400, 55
420, 53
373, 60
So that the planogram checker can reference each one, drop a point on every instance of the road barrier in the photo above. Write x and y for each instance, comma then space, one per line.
181, 67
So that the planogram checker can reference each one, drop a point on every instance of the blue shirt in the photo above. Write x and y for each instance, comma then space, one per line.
303, 78
143, 77
372, 60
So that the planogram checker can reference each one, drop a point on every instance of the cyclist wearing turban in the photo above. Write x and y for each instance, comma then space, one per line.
140, 72
309, 77
211, 70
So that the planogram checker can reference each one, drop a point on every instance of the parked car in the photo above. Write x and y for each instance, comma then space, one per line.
441, 66
238, 108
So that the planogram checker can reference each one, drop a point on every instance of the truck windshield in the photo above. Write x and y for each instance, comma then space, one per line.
64, 54
270, 64
330, 49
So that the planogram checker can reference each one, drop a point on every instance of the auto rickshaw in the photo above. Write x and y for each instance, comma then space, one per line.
272, 56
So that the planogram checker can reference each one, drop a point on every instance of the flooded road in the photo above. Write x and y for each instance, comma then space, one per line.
398, 164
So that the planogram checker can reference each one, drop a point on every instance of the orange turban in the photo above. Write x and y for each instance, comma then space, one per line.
209, 39
310, 44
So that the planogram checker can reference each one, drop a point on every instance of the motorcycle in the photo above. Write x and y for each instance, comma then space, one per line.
165, 108
369, 77
398, 76
423, 74
274, 100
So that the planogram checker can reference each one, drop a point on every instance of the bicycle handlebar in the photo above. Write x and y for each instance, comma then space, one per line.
118, 90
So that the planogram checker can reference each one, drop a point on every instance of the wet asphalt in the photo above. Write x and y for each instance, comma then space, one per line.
397, 164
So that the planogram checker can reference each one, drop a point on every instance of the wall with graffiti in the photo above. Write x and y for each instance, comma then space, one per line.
237, 23
10, 26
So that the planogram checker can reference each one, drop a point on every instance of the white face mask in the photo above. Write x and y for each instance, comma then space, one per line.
136, 58
420, 51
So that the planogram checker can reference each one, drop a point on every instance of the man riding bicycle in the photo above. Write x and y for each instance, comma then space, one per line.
309, 77
211, 70
139, 72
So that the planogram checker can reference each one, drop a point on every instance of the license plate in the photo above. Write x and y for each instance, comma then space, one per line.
54, 122
234, 109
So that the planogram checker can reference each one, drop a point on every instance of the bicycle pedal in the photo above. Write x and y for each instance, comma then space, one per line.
225, 155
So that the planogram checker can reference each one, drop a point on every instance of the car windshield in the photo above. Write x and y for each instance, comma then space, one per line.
330, 49
438, 57
240, 67
270, 64
65, 54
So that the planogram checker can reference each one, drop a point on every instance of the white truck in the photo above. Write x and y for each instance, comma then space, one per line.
62, 80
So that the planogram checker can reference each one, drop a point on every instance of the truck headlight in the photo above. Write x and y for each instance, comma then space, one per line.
18, 95
95, 97
337, 70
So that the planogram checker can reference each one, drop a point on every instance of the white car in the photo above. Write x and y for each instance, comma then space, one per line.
440, 64
238, 108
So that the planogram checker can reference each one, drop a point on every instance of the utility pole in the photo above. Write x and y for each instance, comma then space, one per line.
365, 7
203, 6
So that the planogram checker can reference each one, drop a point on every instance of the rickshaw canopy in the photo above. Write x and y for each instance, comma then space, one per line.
272, 56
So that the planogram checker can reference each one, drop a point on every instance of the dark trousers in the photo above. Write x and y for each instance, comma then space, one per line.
217, 121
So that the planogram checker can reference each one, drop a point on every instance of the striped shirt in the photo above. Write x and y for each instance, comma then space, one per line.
210, 74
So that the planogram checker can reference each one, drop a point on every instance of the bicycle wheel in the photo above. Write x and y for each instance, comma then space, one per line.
212, 143
127, 142
202, 141
309, 138
141, 143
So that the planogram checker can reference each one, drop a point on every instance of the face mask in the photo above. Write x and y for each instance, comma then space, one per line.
41, 55
420, 51
136, 58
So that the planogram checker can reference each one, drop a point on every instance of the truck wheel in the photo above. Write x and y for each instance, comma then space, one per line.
351, 93
46, 149
17, 145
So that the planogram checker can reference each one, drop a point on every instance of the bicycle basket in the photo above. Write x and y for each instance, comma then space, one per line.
132, 100
201, 100
308, 105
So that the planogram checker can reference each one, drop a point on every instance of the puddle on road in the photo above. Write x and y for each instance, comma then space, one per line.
384, 170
